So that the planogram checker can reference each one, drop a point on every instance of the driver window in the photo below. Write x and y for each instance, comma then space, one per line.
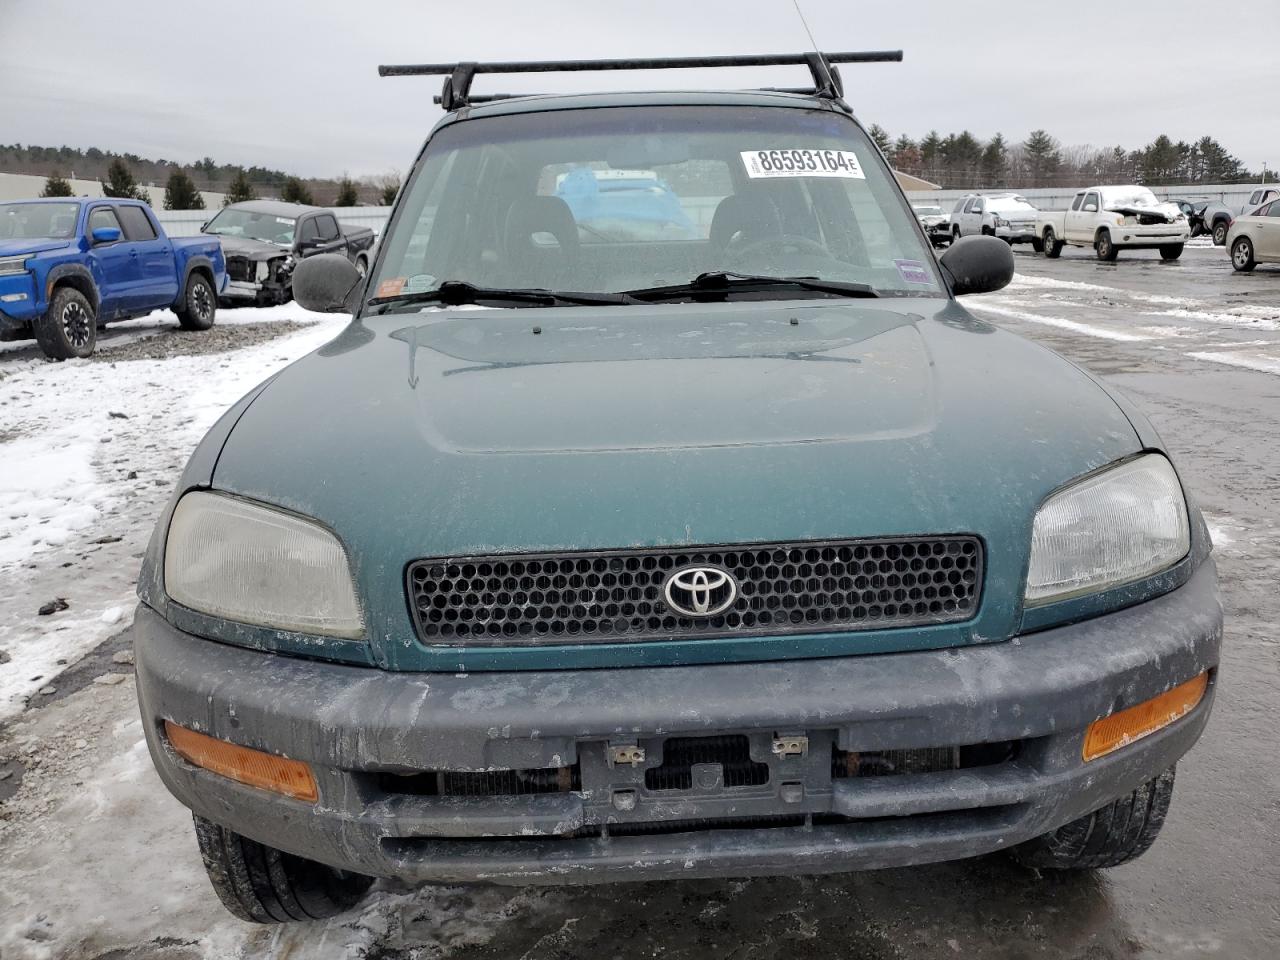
1091, 203
1075, 204
977, 206
328, 227
309, 232
1274, 209
101, 217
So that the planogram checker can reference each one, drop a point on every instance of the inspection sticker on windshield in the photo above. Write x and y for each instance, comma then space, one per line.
913, 271
763, 164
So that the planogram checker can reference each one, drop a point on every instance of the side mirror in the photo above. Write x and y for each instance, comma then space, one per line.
1090, 208
980, 264
330, 283
106, 235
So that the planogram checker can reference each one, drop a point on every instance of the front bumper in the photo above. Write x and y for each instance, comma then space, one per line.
1017, 232
369, 734
1155, 235
19, 304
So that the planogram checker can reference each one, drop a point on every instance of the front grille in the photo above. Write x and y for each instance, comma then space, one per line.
617, 595
680, 754
241, 269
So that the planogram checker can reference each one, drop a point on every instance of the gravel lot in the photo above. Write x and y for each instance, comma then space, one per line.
96, 860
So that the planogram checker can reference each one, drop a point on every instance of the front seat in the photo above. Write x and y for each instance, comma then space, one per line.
530, 259
744, 217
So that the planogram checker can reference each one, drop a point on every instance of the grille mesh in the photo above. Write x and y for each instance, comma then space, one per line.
241, 268
807, 587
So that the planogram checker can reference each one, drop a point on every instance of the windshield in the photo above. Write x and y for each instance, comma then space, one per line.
38, 221
232, 222
609, 200
1129, 197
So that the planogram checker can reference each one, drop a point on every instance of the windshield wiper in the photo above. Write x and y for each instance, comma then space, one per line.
454, 293
724, 281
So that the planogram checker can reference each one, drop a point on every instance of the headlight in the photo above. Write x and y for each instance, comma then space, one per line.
12, 265
234, 559
1114, 527
262, 270
1001, 222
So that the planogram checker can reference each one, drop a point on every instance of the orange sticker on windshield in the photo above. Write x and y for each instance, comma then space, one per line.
392, 287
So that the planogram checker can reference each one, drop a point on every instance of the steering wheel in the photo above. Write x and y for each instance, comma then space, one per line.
784, 243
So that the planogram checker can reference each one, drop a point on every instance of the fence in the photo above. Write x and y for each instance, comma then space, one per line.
1234, 195
187, 223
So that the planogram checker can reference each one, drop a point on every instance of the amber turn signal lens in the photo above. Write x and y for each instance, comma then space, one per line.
293, 778
1123, 728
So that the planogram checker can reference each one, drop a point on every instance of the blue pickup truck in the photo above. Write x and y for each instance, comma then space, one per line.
69, 266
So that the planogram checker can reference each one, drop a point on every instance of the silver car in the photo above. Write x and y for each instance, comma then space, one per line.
1255, 237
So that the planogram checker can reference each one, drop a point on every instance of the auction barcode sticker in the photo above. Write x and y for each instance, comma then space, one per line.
762, 164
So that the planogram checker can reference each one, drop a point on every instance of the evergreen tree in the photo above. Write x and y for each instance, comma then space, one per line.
995, 160
1160, 161
880, 137
931, 153
295, 191
347, 195
1043, 157
240, 189
120, 182
961, 154
180, 193
56, 185
390, 187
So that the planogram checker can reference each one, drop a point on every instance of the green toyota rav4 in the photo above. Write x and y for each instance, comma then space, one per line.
661, 513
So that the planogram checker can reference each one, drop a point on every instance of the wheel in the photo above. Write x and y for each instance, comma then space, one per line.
1220, 233
1052, 245
1105, 247
1242, 255
199, 304
955, 233
69, 327
362, 266
1121, 831
264, 885
1037, 245
1171, 251
987, 231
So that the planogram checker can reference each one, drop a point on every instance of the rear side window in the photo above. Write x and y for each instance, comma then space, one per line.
103, 217
1075, 204
136, 224
328, 227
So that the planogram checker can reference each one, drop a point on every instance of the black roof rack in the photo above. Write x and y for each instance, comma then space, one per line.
458, 76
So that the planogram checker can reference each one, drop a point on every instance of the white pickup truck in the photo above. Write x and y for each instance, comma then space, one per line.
1109, 218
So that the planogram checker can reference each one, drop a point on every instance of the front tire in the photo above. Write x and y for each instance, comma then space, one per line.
199, 304
1220, 234
1105, 247
1171, 251
261, 884
362, 266
1242, 255
1121, 831
69, 328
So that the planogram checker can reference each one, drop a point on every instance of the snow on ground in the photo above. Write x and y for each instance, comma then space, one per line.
89, 450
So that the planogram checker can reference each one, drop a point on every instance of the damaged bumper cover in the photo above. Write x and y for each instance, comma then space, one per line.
713, 770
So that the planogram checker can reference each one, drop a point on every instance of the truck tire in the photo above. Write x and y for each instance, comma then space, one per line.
1171, 251
199, 304
69, 328
1121, 831
955, 233
1220, 233
362, 265
1052, 245
1105, 247
1242, 255
261, 884
1037, 245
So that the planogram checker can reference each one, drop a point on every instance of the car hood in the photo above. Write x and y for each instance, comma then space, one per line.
463, 432
249, 248
17, 247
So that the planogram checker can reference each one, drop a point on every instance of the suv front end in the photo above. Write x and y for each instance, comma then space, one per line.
704, 580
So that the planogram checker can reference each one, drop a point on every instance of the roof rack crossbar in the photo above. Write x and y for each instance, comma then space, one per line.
458, 76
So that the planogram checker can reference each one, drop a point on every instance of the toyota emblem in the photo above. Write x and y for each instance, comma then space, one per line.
700, 591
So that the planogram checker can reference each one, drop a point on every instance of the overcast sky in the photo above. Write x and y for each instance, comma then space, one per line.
294, 85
